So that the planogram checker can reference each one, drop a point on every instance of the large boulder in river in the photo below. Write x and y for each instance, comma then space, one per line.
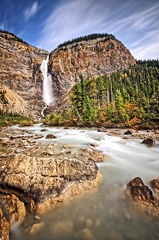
142, 194
150, 141
139, 191
42, 182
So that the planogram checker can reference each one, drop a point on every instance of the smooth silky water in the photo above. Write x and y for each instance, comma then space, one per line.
104, 212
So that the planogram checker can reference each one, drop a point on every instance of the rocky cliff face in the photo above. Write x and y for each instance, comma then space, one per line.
88, 58
20, 74
21, 78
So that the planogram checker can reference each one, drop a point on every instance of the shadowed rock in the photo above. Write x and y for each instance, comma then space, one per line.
155, 185
50, 136
150, 142
128, 132
141, 194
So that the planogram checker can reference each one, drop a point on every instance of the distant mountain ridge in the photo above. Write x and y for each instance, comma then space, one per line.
90, 55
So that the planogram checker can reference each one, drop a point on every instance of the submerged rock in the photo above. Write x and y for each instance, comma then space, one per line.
63, 228
43, 182
86, 234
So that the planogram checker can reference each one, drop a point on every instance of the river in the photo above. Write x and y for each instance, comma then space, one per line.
105, 212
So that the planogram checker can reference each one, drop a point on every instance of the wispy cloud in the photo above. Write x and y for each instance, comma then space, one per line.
2, 25
136, 25
147, 49
69, 20
31, 11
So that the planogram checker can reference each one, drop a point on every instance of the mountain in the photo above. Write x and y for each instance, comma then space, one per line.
92, 55
20, 75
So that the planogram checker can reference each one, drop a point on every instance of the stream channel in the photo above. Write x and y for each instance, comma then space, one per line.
104, 212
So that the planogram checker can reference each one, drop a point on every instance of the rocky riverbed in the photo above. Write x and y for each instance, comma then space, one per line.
39, 171
41, 175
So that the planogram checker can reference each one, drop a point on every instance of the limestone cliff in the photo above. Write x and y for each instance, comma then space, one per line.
20, 74
102, 55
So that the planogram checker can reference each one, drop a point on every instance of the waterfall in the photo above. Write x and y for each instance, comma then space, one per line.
47, 90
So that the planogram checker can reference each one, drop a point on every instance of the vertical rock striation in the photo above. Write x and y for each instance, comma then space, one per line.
20, 73
102, 55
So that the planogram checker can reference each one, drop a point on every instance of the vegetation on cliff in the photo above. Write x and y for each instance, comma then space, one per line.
130, 98
13, 37
87, 38
9, 118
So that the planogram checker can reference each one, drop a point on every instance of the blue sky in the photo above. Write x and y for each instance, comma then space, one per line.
47, 23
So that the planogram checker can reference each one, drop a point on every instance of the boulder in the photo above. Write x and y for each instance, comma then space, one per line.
43, 182
128, 132
43, 130
50, 136
150, 142
142, 194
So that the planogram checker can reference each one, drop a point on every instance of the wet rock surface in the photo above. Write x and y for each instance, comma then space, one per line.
13, 208
4, 226
150, 142
50, 136
155, 186
17, 143
12, 213
142, 194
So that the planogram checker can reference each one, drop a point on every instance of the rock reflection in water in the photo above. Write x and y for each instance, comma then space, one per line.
105, 212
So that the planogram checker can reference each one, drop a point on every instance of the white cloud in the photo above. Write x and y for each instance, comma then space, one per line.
71, 19
31, 11
135, 25
148, 50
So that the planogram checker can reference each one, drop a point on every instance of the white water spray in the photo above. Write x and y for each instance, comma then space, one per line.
47, 83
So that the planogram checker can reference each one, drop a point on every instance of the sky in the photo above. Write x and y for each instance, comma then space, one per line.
48, 23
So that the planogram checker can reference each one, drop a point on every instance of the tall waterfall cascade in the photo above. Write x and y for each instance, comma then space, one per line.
47, 90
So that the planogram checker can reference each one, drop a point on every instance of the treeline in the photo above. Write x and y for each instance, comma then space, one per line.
86, 38
122, 99
149, 63
15, 37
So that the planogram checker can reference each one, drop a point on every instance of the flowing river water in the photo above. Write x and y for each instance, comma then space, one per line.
105, 212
